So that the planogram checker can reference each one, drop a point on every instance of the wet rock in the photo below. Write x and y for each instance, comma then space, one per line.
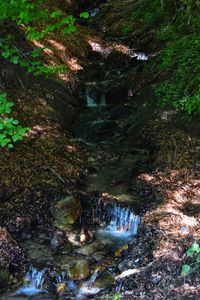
85, 236
78, 269
37, 252
89, 249
104, 280
118, 59
58, 241
61, 287
67, 212
4, 278
99, 256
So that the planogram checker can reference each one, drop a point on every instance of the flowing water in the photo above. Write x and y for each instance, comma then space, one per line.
120, 225
117, 222
121, 228
117, 225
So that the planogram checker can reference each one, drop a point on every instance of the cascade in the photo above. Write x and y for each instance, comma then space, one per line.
34, 282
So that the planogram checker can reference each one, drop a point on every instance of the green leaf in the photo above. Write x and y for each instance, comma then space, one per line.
15, 60
195, 248
5, 54
15, 122
185, 270
10, 146
198, 258
56, 14
84, 15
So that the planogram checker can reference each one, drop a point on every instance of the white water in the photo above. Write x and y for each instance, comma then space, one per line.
124, 221
34, 285
121, 228
87, 287
90, 102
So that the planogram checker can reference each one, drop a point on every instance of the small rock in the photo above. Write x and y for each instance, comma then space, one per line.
61, 287
56, 243
99, 256
85, 236
156, 278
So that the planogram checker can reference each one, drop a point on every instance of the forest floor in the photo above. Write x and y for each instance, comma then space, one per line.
153, 267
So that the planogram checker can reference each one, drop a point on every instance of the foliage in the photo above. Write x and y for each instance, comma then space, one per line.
175, 25
193, 252
182, 89
10, 130
117, 296
27, 60
29, 14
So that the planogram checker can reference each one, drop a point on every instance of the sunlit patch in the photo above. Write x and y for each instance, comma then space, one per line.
73, 64
121, 48
37, 44
57, 46
71, 148
147, 177
104, 50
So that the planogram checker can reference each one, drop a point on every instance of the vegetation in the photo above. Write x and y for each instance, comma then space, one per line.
10, 130
192, 252
175, 26
27, 15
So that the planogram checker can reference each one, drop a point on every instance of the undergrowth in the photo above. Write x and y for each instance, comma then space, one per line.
175, 26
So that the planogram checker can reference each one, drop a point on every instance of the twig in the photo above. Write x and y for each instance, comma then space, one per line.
22, 85
55, 173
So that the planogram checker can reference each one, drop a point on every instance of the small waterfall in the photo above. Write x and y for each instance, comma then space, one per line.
61, 278
123, 220
103, 100
121, 224
142, 56
89, 100
34, 282
87, 287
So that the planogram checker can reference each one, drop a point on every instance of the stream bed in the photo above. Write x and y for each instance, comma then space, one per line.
89, 234
50, 274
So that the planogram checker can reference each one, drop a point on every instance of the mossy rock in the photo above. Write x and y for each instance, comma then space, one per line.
104, 280
67, 212
78, 269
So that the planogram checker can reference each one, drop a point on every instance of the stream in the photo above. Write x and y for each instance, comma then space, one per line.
105, 222
79, 258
